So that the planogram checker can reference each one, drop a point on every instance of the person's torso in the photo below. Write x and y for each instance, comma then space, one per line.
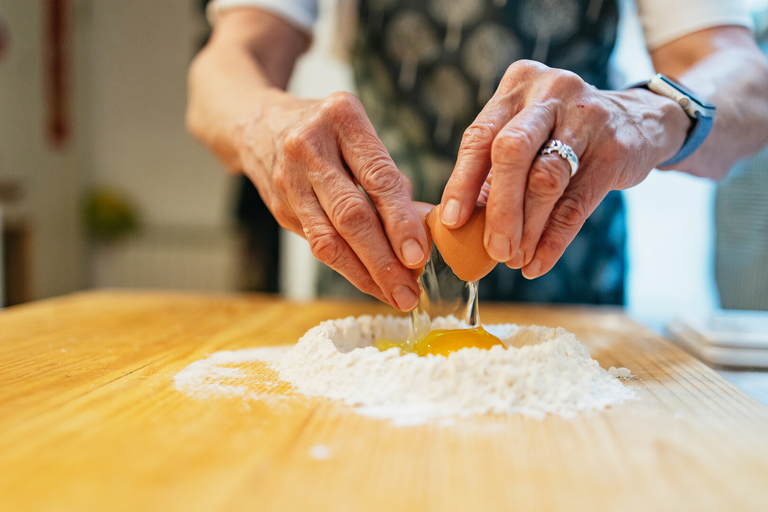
425, 68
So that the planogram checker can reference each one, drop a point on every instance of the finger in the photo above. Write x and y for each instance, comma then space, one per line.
485, 190
514, 150
329, 246
473, 163
388, 189
357, 224
547, 180
578, 202
408, 186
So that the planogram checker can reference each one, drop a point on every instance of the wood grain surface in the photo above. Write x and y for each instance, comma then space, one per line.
90, 420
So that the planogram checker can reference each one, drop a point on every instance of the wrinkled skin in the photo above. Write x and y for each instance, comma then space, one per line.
307, 160
534, 207
307, 157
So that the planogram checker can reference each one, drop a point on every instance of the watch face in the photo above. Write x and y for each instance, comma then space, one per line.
684, 91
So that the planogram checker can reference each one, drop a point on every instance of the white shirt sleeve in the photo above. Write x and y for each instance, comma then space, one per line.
666, 20
302, 13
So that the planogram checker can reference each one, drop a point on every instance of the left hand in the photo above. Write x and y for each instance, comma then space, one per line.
534, 207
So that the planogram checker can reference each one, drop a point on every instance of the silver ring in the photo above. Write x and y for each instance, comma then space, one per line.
563, 150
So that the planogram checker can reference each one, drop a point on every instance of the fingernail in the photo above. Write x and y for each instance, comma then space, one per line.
499, 247
518, 261
450, 213
412, 252
405, 299
531, 271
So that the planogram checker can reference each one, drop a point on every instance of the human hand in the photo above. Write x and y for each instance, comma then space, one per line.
307, 159
534, 206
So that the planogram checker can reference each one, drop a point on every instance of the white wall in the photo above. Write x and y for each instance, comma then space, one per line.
139, 52
128, 93
51, 180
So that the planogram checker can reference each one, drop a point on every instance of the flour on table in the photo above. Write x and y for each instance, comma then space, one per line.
320, 452
539, 371
213, 377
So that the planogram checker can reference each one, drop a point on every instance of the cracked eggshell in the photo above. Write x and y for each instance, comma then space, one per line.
462, 248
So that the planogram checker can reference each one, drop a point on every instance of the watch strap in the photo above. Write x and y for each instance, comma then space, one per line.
697, 133
700, 127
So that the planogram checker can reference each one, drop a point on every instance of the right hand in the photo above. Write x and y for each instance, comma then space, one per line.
307, 158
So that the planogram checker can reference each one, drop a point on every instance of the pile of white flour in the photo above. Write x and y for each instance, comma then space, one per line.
541, 370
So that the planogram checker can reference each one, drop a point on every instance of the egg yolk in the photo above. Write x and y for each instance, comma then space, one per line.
444, 341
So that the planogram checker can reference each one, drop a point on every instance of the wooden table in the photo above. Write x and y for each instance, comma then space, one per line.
90, 420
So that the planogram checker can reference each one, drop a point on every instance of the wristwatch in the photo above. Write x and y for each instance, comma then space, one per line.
701, 112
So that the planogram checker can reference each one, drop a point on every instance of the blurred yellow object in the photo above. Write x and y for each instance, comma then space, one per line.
108, 214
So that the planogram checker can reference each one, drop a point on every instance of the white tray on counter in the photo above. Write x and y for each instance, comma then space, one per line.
724, 337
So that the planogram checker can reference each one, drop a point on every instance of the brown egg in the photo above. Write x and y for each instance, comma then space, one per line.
462, 248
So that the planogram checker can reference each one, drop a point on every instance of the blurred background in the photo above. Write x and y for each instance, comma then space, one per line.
101, 186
